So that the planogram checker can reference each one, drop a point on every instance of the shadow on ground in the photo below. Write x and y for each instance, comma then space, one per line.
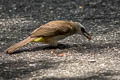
106, 75
22, 69
78, 47
19, 69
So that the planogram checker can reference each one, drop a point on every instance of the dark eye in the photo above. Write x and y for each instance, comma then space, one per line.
82, 29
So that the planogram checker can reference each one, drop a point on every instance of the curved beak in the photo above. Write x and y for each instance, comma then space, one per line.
87, 35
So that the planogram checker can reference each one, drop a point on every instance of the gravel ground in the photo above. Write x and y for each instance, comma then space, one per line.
75, 58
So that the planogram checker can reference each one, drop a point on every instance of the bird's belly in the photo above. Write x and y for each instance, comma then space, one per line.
60, 37
50, 39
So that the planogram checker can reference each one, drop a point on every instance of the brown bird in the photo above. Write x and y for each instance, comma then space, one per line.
52, 32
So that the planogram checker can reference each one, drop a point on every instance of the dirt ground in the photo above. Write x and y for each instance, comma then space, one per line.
75, 58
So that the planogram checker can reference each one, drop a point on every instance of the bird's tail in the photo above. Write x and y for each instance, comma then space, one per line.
18, 45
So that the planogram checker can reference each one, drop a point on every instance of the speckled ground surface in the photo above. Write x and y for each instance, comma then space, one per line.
98, 59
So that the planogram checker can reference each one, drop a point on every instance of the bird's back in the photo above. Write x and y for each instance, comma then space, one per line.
53, 28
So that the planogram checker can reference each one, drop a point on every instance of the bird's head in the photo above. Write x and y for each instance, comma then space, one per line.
82, 31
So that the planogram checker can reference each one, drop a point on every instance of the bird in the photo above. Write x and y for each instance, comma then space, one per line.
50, 33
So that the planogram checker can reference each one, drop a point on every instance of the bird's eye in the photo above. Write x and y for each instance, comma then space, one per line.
82, 29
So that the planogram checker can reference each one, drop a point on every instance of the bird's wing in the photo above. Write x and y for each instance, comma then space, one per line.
52, 29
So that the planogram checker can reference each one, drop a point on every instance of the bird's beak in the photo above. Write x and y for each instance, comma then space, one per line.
87, 35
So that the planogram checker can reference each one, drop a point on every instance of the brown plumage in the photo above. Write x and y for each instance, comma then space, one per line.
49, 33
18, 45
55, 28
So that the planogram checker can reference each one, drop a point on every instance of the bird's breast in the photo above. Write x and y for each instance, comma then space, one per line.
60, 37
